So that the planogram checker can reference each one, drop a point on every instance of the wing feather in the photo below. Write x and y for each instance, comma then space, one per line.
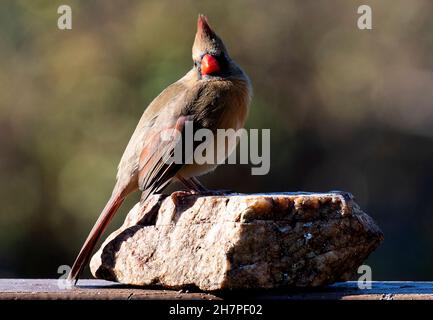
157, 165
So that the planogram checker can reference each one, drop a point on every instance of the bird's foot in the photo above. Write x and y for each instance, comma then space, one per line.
221, 192
187, 193
182, 195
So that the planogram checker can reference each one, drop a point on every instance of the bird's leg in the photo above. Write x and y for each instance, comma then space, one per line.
184, 193
186, 182
198, 186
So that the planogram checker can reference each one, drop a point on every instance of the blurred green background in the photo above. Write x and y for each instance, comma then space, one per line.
348, 109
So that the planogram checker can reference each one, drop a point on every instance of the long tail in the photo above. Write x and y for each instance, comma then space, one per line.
84, 256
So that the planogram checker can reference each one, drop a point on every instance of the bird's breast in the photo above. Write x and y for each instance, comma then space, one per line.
223, 104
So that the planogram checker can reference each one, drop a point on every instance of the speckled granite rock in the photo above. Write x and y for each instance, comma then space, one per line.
239, 241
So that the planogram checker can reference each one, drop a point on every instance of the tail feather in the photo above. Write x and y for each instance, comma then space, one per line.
84, 256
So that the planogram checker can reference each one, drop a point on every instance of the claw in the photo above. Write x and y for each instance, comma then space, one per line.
216, 192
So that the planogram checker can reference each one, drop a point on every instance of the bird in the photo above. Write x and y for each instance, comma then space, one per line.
215, 94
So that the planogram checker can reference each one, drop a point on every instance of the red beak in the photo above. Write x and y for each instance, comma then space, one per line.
209, 65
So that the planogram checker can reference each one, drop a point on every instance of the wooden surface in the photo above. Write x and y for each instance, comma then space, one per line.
100, 289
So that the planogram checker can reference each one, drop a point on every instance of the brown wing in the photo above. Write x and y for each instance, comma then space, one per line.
157, 165
162, 111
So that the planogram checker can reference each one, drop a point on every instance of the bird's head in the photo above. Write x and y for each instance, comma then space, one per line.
209, 52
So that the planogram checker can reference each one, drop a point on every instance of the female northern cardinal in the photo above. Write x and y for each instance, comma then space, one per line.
214, 94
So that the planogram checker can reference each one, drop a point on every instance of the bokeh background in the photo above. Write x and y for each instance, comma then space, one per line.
348, 109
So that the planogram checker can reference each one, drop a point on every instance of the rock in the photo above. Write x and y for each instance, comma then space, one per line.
239, 241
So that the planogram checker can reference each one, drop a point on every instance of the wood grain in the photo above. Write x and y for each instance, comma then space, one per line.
43, 289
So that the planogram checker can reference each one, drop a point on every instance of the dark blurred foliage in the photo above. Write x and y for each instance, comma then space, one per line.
348, 109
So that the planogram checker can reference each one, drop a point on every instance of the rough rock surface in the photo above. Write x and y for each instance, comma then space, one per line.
239, 241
